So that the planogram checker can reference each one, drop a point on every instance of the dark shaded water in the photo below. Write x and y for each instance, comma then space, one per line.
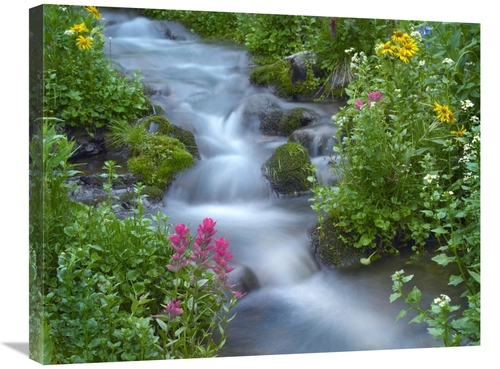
299, 308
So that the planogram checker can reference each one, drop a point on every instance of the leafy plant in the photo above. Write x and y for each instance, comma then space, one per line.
81, 87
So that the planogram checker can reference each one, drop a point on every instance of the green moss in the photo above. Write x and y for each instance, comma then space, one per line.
279, 76
288, 168
187, 138
292, 120
164, 125
159, 159
153, 193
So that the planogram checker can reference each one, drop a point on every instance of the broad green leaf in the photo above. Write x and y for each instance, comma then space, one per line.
132, 275
476, 276
401, 314
394, 296
455, 280
443, 259
415, 295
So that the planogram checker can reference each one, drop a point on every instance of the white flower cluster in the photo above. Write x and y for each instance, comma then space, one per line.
340, 120
447, 61
69, 32
358, 59
442, 301
466, 104
430, 177
416, 35
348, 51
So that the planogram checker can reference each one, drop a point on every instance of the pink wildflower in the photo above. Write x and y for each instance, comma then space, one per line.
222, 257
172, 309
179, 242
358, 104
201, 245
374, 96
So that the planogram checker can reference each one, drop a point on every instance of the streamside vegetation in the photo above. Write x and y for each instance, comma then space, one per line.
104, 288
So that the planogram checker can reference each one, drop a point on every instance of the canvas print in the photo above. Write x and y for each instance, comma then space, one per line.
216, 184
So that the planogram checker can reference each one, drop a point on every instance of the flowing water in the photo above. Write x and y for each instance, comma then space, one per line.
298, 307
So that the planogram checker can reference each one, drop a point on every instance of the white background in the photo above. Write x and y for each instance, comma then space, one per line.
14, 181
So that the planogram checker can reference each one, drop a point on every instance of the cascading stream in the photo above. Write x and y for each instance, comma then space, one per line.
203, 86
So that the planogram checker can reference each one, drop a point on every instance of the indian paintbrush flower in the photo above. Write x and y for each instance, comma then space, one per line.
172, 309
221, 258
179, 242
358, 104
201, 245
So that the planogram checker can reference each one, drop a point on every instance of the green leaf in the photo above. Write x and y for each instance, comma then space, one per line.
455, 280
394, 296
419, 318
443, 259
415, 295
132, 275
180, 330
365, 240
439, 230
401, 314
365, 261
476, 276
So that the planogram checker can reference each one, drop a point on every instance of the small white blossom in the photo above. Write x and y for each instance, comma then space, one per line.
421, 62
447, 61
69, 32
416, 35
474, 119
430, 177
466, 104
442, 301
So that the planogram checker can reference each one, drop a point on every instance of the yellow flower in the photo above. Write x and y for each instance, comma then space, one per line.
79, 28
460, 131
398, 36
410, 46
93, 10
84, 43
444, 114
386, 48
403, 54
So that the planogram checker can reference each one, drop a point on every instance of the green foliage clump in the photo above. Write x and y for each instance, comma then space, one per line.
287, 169
156, 155
159, 158
409, 160
98, 283
81, 86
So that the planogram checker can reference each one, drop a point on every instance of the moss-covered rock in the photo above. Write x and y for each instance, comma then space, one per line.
279, 78
287, 169
296, 118
187, 138
160, 158
330, 250
158, 124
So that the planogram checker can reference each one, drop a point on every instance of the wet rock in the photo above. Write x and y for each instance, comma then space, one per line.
287, 170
